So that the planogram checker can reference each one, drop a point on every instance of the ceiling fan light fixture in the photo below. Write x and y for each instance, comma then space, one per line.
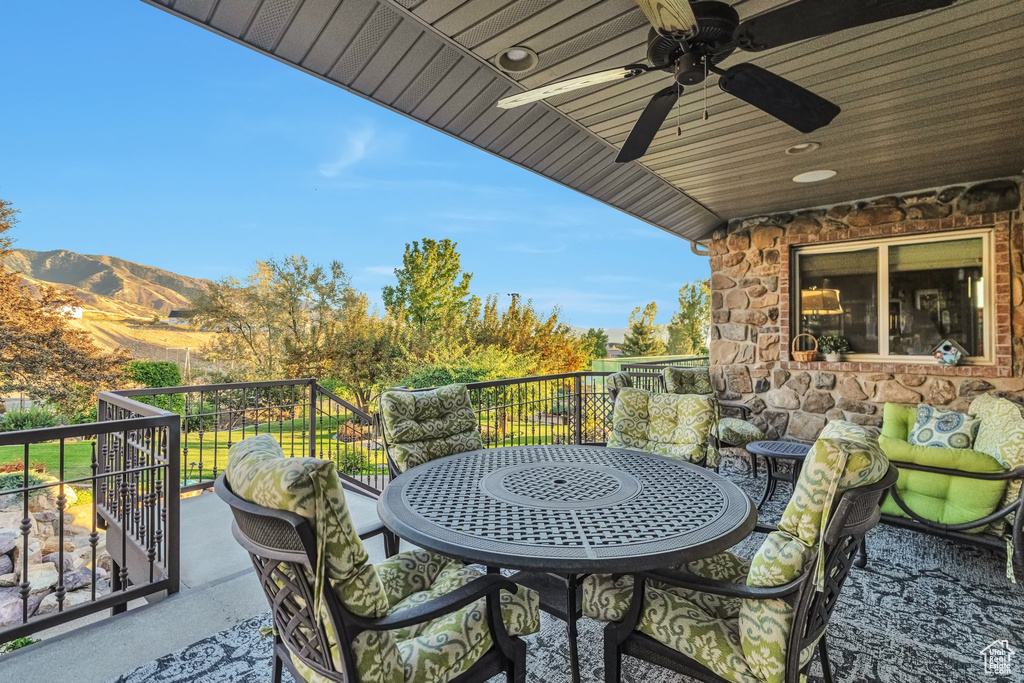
803, 148
814, 176
517, 60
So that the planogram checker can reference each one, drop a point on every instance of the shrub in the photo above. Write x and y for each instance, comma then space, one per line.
12, 481
35, 417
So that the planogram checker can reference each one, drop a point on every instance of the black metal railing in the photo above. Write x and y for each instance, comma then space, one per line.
659, 365
305, 418
92, 516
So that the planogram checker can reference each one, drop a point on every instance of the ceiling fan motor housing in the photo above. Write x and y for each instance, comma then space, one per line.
683, 56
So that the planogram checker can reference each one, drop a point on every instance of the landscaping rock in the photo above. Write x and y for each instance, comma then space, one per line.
6, 564
42, 576
9, 579
8, 539
71, 599
78, 578
69, 561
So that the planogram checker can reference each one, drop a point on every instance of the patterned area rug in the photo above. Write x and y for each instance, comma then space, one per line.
922, 610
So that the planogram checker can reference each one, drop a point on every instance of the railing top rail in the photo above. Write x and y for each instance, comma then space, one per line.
334, 397
31, 436
140, 409
153, 391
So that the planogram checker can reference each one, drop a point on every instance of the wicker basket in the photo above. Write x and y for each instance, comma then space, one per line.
804, 356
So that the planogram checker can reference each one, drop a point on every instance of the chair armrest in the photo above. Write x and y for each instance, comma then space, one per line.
1009, 475
743, 410
438, 607
731, 590
763, 529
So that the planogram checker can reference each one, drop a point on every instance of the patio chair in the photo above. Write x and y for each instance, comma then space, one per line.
420, 425
680, 426
733, 432
726, 619
730, 432
417, 616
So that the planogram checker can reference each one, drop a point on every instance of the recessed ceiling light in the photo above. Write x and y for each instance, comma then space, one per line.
813, 176
803, 148
517, 60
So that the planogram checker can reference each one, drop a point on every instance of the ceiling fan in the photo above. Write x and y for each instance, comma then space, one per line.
690, 39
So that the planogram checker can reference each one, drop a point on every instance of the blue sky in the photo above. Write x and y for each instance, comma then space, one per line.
132, 133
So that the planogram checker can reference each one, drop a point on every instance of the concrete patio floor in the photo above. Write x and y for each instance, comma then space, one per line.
218, 590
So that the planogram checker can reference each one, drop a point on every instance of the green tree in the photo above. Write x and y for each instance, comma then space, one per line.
41, 354
644, 336
690, 326
432, 287
367, 354
597, 342
278, 321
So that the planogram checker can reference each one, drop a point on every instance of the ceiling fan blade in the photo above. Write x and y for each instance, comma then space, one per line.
670, 16
552, 89
648, 125
783, 99
810, 18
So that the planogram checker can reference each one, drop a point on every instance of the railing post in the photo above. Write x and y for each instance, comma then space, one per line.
312, 417
577, 388
173, 504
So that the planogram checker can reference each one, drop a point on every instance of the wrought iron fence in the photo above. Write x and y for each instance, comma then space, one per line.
88, 516
659, 365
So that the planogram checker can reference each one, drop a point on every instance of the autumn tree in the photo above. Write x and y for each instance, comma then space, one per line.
278, 321
41, 354
367, 354
432, 287
644, 336
690, 326
597, 341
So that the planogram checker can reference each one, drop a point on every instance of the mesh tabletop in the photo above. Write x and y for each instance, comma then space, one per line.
791, 450
567, 508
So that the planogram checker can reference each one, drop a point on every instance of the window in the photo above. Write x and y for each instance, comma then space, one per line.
899, 297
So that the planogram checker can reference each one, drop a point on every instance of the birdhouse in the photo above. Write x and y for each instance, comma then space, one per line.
948, 352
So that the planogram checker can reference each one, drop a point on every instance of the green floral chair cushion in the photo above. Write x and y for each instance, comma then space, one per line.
733, 431
1001, 436
745, 640
616, 381
438, 650
668, 424
421, 426
688, 380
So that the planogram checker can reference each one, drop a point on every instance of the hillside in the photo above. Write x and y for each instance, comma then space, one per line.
107, 285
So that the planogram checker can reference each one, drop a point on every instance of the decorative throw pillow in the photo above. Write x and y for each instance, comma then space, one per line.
943, 428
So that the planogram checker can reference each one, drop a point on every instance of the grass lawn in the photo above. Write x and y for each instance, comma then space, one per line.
211, 448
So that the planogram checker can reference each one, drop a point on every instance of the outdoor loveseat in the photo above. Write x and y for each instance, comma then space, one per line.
972, 495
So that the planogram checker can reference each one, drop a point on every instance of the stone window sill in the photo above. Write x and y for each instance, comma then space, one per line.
903, 368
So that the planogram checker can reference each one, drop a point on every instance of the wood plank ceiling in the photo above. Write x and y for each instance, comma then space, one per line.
928, 100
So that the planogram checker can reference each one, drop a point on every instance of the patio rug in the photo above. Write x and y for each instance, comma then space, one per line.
922, 610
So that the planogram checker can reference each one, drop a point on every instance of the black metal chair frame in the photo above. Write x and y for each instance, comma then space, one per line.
958, 532
282, 546
855, 513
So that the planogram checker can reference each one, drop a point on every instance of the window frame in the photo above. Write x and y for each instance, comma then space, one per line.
883, 245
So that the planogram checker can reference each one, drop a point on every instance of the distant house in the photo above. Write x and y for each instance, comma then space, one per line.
613, 350
178, 317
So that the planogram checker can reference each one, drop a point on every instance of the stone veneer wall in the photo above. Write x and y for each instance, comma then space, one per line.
750, 311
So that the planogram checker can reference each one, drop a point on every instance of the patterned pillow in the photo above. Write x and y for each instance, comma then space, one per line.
425, 425
687, 381
668, 424
943, 428
1001, 435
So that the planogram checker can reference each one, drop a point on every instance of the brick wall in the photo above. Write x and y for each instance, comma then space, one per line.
750, 310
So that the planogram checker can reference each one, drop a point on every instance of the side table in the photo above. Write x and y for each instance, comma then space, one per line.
773, 452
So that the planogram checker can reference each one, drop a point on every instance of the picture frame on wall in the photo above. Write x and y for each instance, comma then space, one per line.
926, 299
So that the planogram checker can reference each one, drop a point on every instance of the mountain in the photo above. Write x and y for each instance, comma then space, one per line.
106, 284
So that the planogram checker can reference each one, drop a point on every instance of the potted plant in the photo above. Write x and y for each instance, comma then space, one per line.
833, 346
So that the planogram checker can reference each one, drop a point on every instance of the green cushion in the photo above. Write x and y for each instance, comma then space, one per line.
942, 428
832, 466
941, 498
421, 426
616, 381
687, 380
667, 424
735, 432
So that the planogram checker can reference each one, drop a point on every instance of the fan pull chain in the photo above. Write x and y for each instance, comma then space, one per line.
705, 88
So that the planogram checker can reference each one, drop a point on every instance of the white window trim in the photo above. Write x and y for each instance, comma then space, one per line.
988, 258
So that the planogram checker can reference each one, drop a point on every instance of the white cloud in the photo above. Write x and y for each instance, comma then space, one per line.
357, 145
379, 270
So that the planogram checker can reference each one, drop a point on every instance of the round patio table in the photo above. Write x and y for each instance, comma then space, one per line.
567, 510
